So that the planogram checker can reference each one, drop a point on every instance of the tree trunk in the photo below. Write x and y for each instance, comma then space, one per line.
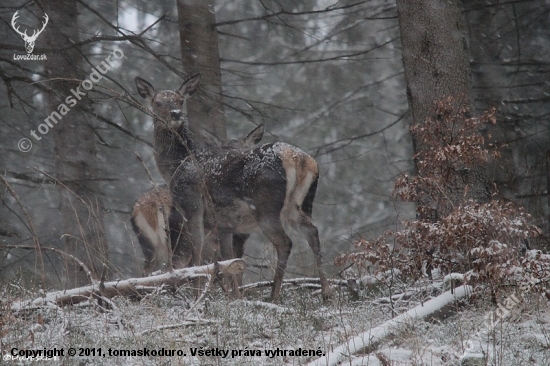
435, 60
75, 151
199, 49
508, 72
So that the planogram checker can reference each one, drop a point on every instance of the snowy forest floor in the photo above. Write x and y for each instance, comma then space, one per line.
254, 332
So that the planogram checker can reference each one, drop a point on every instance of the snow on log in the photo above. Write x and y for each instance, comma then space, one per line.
130, 286
370, 339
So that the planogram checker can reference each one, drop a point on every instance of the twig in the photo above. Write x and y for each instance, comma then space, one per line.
203, 294
57, 181
31, 226
146, 170
89, 273
189, 321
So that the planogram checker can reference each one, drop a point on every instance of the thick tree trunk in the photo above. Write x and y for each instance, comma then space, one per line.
435, 54
75, 151
505, 68
435, 60
200, 54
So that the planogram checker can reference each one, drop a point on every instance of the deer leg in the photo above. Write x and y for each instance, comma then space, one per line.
273, 230
153, 245
226, 244
182, 255
195, 235
238, 252
226, 252
307, 228
193, 238
148, 253
156, 254
238, 244
189, 202
268, 201
162, 253
312, 234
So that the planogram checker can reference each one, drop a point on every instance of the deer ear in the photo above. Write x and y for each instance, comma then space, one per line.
254, 136
144, 88
190, 86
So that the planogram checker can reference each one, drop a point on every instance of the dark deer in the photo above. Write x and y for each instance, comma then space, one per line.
233, 191
157, 223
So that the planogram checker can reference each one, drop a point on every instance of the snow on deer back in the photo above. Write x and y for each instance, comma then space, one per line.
233, 191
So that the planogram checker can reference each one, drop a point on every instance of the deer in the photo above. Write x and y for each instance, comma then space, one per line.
233, 191
157, 223
29, 40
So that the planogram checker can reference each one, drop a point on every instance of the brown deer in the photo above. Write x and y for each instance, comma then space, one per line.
157, 223
233, 191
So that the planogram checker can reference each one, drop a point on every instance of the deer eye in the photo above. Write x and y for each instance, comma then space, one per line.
158, 104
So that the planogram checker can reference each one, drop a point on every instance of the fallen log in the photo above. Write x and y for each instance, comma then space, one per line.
130, 286
368, 341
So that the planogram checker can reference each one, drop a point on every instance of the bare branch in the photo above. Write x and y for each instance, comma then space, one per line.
89, 273
35, 240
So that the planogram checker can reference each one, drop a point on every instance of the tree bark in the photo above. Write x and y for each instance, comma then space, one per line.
435, 59
75, 151
508, 73
435, 54
200, 54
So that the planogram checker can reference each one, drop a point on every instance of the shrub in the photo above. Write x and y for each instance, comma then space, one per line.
470, 232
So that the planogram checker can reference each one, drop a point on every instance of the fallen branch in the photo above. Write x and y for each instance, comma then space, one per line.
368, 341
130, 286
186, 323
293, 281
267, 305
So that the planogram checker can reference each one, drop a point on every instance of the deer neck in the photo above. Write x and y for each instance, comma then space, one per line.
171, 147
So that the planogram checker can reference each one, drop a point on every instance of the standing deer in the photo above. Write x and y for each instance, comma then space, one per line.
233, 191
158, 224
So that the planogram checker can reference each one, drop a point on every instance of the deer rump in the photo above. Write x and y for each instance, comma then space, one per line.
156, 223
244, 191
233, 192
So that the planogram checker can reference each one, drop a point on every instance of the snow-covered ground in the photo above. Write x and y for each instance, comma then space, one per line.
219, 331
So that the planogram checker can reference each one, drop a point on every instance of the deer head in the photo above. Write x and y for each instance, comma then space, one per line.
231, 190
169, 106
172, 136
29, 40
